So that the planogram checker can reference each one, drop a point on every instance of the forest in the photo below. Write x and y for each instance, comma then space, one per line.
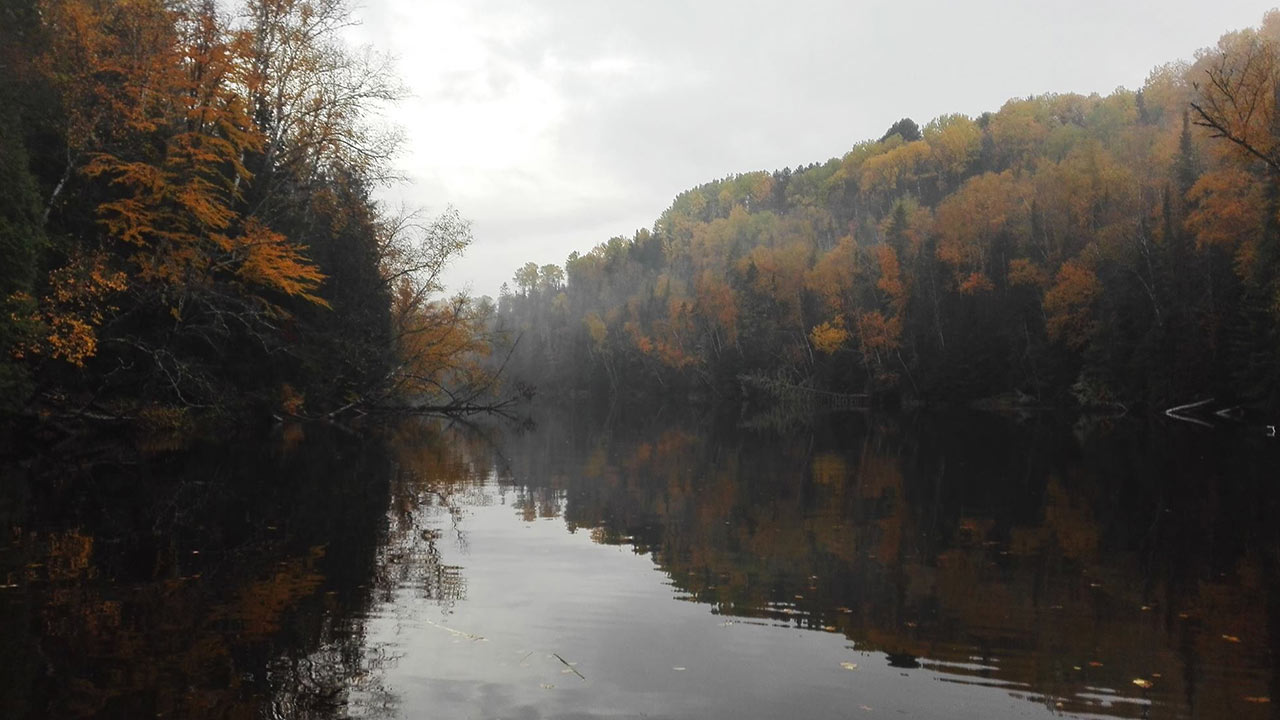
1112, 252
188, 223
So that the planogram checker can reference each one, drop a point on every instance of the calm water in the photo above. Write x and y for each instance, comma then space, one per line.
646, 565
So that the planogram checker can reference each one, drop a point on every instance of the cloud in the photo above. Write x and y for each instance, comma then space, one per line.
557, 124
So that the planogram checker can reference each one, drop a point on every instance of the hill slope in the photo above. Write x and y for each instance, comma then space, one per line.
1101, 249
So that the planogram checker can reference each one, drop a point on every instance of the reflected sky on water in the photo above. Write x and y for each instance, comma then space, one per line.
649, 565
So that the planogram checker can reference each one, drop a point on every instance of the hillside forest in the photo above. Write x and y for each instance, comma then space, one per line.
188, 223
1115, 252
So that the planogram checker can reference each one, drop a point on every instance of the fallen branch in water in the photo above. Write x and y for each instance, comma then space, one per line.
456, 633
1177, 413
566, 664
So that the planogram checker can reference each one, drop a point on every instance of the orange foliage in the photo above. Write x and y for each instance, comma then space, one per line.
262, 604
832, 275
876, 333
596, 329
1069, 302
158, 105
891, 278
440, 344
79, 300
715, 301
781, 273
970, 219
1237, 95
1229, 207
976, 283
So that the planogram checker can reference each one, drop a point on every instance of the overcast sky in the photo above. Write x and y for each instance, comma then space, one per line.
554, 125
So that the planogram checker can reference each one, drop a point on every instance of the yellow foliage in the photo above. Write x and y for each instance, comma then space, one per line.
829, 336
888, 171
596, 329
954, 142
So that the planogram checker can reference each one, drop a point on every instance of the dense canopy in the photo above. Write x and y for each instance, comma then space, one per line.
1110, 251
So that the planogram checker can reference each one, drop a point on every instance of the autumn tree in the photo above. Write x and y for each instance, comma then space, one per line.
206, 187
1239, 91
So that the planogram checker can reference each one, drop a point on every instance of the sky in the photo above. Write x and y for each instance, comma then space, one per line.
557, 124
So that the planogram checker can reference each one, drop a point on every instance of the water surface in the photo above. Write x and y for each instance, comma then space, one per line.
649, 565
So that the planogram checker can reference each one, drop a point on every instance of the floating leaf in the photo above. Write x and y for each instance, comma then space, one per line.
1142, 683
679, 668
849, 665
1231, 638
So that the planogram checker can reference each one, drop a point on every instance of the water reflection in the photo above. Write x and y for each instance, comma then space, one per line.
211, 582
651, 565
1121, 572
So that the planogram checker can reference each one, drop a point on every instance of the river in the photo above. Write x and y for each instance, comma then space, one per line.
627, 564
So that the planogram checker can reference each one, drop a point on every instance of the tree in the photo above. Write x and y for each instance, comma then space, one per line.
172, 237
905, 128
314, 97
1239, 91
526, 278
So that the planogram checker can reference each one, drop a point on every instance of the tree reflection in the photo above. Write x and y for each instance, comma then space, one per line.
209, 582
1125, 573
1095, 573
